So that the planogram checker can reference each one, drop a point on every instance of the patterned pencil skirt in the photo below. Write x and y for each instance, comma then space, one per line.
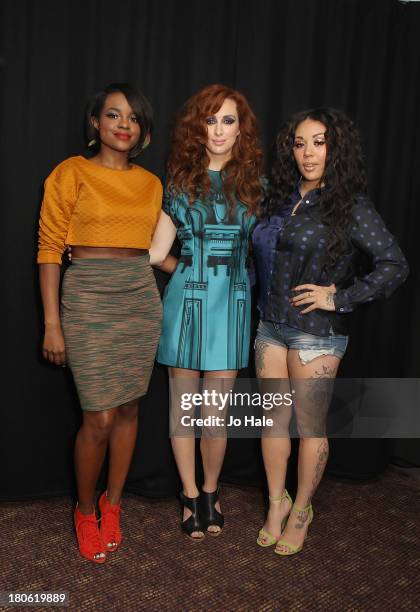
111, 316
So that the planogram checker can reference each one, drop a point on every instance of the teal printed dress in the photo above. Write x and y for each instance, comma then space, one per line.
207, 303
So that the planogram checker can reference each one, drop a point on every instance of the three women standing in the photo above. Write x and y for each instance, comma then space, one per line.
316, 220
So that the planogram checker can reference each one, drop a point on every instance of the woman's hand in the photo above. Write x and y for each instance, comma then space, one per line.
53, 348
316, 296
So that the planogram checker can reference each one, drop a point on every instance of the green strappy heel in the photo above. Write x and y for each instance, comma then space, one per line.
292, 548
270, 539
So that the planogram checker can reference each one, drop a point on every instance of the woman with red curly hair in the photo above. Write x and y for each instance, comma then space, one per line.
213, 189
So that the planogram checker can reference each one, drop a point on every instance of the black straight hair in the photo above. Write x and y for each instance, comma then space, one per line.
138, 102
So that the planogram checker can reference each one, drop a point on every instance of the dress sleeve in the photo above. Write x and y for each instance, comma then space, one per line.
171, 205
60, 196
166, 202
390, 269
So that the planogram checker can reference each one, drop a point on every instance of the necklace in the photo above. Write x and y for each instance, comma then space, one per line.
295, 207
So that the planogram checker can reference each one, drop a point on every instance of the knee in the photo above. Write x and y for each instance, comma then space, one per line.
311, 426
128, 412
98, 426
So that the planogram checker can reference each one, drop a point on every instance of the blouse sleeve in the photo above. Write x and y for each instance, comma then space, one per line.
57, 206
390, 269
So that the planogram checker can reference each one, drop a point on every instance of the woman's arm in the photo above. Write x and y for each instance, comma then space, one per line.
162, 241
390, 268
168, 265
53, 347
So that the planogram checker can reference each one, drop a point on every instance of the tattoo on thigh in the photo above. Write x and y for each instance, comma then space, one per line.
260, 348
325, 372
314, 400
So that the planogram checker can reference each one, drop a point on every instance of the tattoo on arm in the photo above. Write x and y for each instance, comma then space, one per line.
330, 298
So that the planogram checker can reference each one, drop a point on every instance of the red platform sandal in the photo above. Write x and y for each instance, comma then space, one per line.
110, 523
88, 537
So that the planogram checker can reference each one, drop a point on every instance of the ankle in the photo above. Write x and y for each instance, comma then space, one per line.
191, 492
85, 509
212, 488
112, 498
278, 498
303, 513
305, 506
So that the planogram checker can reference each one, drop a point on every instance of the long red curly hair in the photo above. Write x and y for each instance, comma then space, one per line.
188, 160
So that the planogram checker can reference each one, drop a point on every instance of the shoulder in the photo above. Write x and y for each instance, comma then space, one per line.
65, 175
67, 167
173, 196
362, 206
147, 177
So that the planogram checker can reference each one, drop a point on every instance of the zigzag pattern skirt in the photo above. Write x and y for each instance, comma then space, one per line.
111, 316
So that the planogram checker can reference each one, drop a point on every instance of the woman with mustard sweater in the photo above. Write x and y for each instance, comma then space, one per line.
106, 209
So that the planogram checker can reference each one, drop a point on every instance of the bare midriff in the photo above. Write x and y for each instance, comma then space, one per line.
85, 252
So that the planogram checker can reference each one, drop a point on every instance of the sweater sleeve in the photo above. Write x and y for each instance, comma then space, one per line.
389, 266
60, 196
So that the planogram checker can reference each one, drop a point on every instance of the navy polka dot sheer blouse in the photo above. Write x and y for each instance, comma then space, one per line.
290, 250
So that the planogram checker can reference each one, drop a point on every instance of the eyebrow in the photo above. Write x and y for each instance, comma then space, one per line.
224, 116
313, 135
115, 108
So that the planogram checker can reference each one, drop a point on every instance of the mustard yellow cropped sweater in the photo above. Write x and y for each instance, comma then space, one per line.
89, 205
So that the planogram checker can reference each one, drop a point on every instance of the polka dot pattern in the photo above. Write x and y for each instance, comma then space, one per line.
290, 250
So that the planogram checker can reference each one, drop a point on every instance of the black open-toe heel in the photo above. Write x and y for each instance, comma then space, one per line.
193, 522
211, 516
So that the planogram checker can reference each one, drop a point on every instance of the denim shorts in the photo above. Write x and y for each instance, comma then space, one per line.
309, 346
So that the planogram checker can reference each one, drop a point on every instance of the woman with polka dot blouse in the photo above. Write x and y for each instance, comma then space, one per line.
316, 221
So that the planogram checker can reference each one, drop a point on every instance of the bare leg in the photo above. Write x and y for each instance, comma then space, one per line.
183, 446
121, 446
91, 443
313, 451
213, 444
271, 363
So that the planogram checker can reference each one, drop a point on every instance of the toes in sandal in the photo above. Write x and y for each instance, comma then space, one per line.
211, 516
110, 523
88, 537
270, 540
192, 523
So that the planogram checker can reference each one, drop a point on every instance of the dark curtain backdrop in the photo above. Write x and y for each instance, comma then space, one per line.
362, 56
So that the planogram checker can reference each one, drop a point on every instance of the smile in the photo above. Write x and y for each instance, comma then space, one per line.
310, 166
122, 136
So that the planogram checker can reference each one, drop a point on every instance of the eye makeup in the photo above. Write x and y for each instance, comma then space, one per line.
114, 115
227, 119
